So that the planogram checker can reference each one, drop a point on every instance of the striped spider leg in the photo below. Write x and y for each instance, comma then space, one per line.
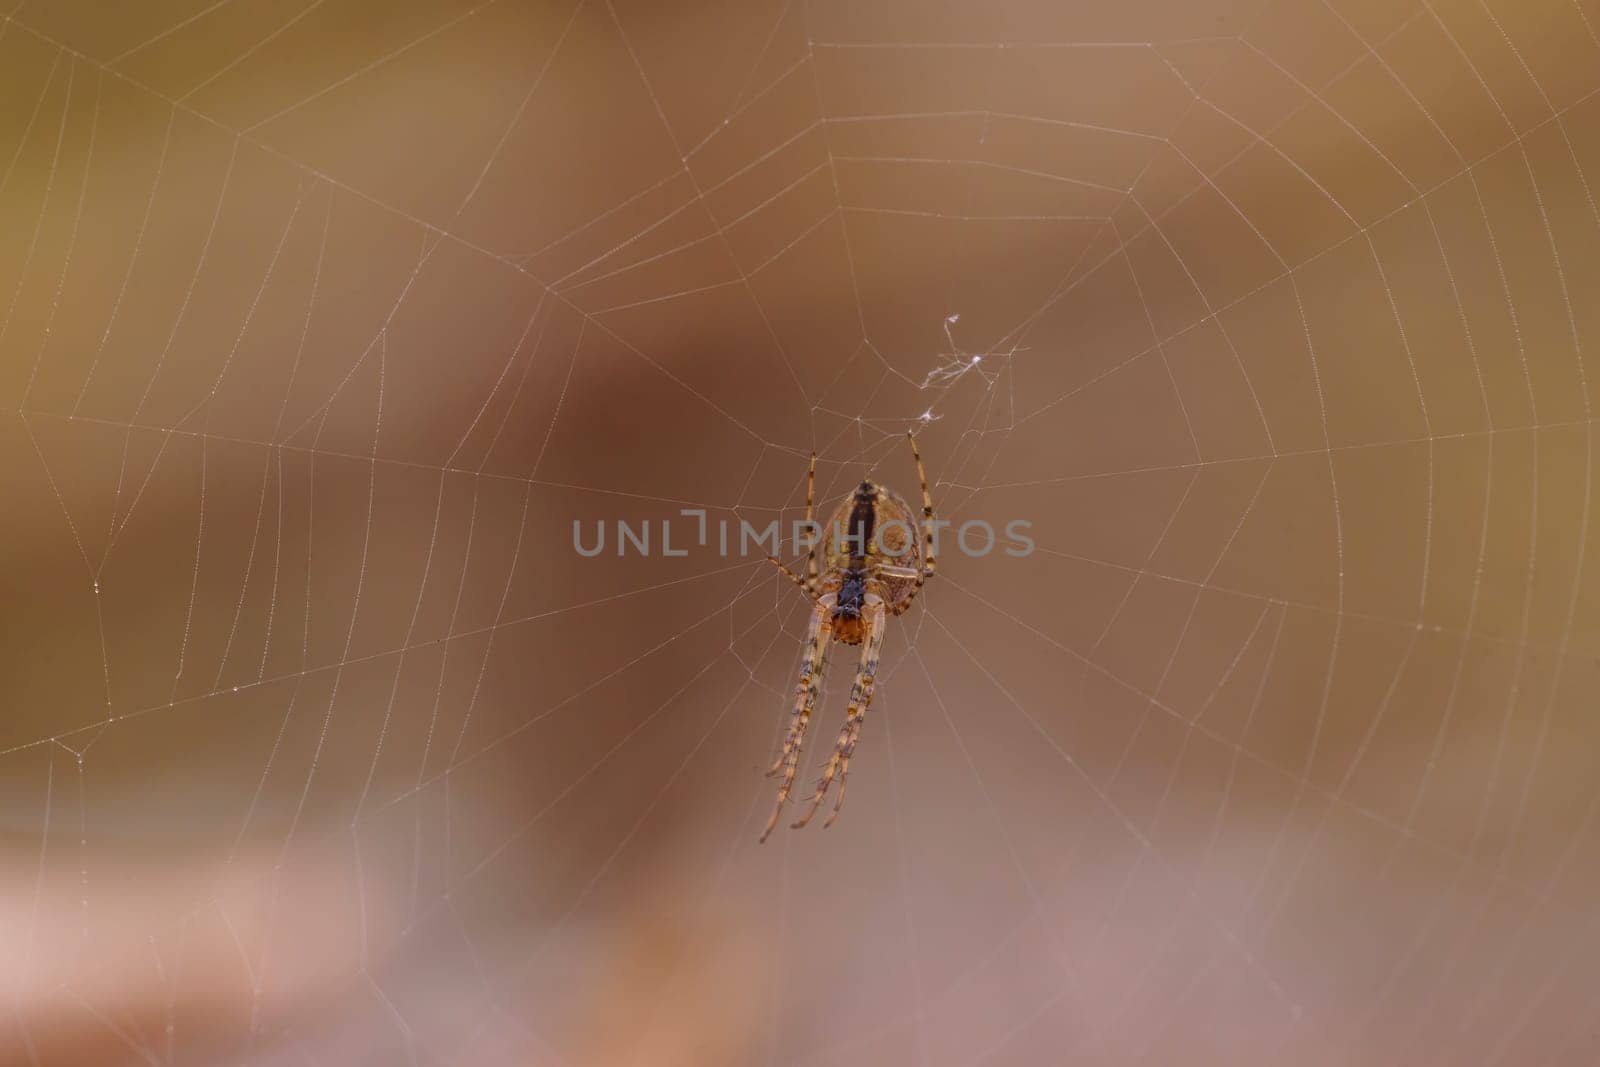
809, 583
860, 699
927, 564
818, 635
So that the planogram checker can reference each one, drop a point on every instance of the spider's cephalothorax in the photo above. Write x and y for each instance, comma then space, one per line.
847, 608
874, 566
855, 544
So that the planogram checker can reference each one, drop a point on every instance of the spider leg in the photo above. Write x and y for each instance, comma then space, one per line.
905, 574
789, 574
844, 780
929, 563
805, 691
811, 514
805, 695
860, 700
809, 582
844, 772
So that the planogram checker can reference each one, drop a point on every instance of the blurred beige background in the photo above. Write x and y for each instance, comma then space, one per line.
323, 320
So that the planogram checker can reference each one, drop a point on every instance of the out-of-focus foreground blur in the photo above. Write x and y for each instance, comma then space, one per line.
322, 321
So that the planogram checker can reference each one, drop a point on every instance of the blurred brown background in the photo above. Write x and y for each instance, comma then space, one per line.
324, 319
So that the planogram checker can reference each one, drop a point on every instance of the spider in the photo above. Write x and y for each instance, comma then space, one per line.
873, 567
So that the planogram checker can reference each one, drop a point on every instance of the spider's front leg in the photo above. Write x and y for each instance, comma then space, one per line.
805, 696
809, 582
860, 699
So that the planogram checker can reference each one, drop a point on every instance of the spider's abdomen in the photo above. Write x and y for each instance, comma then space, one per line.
863, 519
